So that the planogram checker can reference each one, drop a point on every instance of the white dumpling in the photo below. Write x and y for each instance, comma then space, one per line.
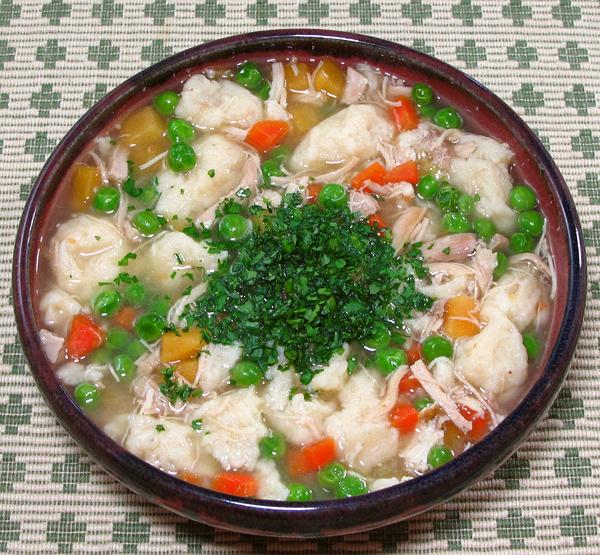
485, 172
85, 251
382, 483
270, 485
427, 434
494, 359
361, 430
488, 148
57, 308
232, 427
74, 373
516, 294
214, 365
210, 103
174, 449
187, 196
300, 420
334, 375
173, 262
353, 132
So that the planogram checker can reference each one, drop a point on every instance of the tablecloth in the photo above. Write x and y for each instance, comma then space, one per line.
58, 57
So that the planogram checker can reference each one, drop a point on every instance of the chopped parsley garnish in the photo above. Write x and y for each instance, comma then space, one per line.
211, 173
197, 424
179, 259
160, 428
196, 233
173, 390
307, 279
97, 237
125, 260
446, 250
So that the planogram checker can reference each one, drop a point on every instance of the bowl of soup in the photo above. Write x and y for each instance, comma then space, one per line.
299, 283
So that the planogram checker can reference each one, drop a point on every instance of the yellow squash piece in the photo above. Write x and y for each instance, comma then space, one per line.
142, 127
330, 78
188, 369
181, 346
304, 117
296, 81
461, 317
84, 182
142, 153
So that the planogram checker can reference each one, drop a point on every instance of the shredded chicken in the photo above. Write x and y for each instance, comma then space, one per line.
404, 227
356, 84
275, 106
362, 203
117, 164
52, 344
450, 248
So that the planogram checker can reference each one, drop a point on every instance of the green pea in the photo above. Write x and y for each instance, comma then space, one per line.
388, 359
166, 102
272, 447
436, 346
87, 395
249, 76
233, 227
428, 111
465, 204
246, 373
135, 294
135, 349
532, 346
299, 492
447, 198
501, 265
333, 195
181, 158
448, 118
124, 367
181, 131
422, 403
329, 476
146, 222
270, 168
381, 337
428, 187
150, 326
160, 305
351, 486
263, 90
531, 222
422, 94
521, 242
522, 198
107, 302
454, 222
100, 356
398, 338
279, 154
117, 339
485, 228
438, 456
106, 200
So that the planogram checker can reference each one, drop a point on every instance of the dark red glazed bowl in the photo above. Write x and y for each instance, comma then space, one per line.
485, 113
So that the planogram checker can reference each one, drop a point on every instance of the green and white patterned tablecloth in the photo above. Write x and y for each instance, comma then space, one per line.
57, 57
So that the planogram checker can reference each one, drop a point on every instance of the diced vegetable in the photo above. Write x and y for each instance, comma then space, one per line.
246, 373
377, 220
296, 76
521, 242
181, 345
330, 78
299, 492
455, 222
312, 191
461, 317
304, 117
454, 439
522, 198
126, 317
233, 227
404, 114
428, 187
438, 456
84, 182
146, 222
181, 131
150, 326
532, 345
141, 154
422, 403
107, 302
267, 134
381, 337
272, 447
480, 422
422, 94
404, 418
389, 359
330, 476
106, 200
241, 484
413, 353
166, 102
142, 127
501, 265
531, 222
84, 337
408, 383
124, 367
117, 339
181, 158
484, 227
87, 395
190, 477
375, 172
448, 118
187, 369
408, 171
333, 195
249, 76
350, 486
436, 346
311, 458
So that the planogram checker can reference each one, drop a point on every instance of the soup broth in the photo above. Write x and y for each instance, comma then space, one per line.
295, 280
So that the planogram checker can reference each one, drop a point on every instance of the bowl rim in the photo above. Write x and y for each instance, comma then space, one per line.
278, 518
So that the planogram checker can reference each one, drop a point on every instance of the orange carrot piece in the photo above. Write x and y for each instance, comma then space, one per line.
84, 337
311, 458
404, 418
376, 219
409, 172
460, 317
413, 353
267, 134
375, 172
408, 383
312, 192
190, 477
126, 317
480, 422
404, 114
241, 484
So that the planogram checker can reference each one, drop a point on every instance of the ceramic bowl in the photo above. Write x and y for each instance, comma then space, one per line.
485, 113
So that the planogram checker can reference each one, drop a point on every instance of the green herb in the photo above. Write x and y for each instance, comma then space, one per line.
179, 259
446, 250
196, 233
173, 274
211, 173
197, 424
173, 390
97, 237
308, 279
125, 260
352, 365
160, 428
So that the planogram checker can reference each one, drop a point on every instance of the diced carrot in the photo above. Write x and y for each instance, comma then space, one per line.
375, 172
404, 418
190, 477
311, 458
126, 317
376, 219
408, 383
267, 134
413, 353
241, 484
84, 336
312, 192
480, 421
409, 172
460, 317
404, 114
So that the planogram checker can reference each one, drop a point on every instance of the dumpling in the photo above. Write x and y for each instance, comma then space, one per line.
232, 426
209, 103
354, 131
484, 172
187, 196
85, 251
215, 363
494, 359
73, 373
58, 308
173, 262
334, 375
270, 485
516, 294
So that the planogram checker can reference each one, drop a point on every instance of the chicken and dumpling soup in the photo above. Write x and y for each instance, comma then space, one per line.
295, 280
